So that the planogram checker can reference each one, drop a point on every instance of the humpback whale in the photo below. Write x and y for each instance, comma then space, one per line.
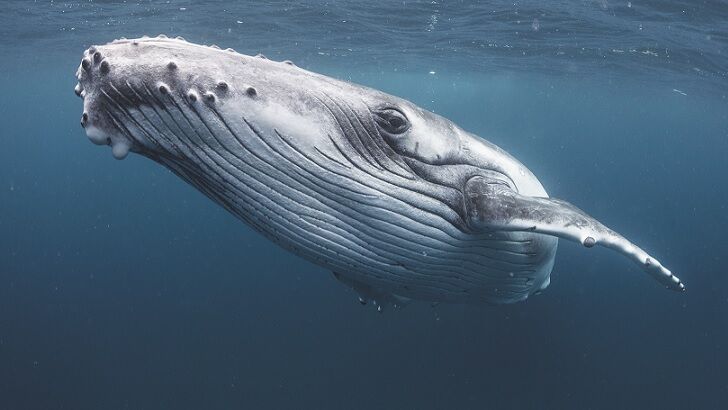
399, 203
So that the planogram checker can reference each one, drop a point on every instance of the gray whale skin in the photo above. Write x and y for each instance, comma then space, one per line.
400, 203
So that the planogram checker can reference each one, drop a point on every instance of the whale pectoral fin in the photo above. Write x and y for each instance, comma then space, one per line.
380, 298
492, 205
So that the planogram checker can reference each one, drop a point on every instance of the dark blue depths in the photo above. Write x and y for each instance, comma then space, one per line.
121, 287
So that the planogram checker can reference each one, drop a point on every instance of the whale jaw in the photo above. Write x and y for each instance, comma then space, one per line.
129, 86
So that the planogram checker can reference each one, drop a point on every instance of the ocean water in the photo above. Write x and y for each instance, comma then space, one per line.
123, 288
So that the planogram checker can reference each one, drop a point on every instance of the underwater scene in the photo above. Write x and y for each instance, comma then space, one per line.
363, 205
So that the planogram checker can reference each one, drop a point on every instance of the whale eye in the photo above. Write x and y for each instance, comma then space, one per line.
391, 120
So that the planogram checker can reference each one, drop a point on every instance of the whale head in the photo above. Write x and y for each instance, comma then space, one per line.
142, 95
165, 98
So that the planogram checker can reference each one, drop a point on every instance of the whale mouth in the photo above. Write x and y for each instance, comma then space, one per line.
139, 93
100, 118
123, 82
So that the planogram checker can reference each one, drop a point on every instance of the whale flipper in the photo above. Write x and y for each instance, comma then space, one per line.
493, 205
367, 293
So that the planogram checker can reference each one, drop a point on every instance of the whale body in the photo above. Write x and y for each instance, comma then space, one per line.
398, 202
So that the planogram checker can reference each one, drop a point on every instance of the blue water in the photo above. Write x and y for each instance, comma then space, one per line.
123, 288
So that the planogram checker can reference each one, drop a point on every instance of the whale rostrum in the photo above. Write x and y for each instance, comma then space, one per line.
399, 202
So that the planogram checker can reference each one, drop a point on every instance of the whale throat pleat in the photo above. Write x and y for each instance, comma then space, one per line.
360, 212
